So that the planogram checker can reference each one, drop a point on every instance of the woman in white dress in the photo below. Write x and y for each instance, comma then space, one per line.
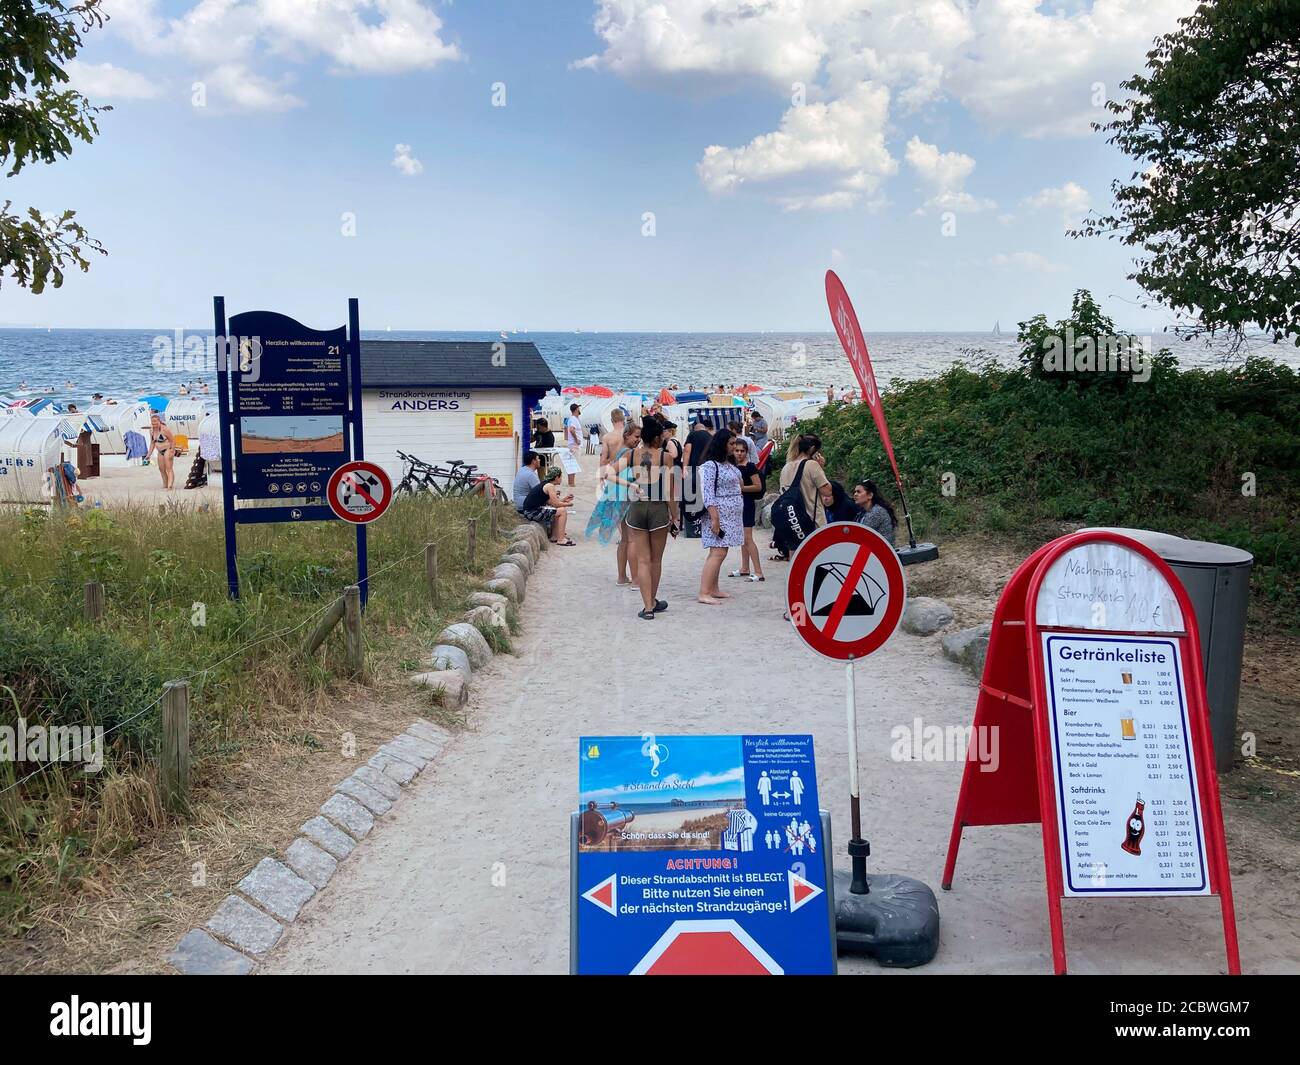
719, 480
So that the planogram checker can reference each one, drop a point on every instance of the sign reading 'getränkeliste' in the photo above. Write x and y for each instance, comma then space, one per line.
1130, 821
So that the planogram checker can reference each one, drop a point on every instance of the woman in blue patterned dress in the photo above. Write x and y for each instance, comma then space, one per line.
615, 496
719, 481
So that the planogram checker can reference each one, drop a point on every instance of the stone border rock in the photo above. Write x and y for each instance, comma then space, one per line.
252, 919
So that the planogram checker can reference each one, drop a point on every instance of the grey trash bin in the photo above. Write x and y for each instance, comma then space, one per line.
1217, 579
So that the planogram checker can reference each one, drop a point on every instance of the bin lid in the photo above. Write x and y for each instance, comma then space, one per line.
1189, 552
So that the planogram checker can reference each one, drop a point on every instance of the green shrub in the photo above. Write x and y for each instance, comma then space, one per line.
1029, 454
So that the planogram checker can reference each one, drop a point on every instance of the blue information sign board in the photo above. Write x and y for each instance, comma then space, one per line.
290, 409
700, 854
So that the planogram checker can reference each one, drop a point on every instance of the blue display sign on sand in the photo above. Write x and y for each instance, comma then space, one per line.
701, 854
290, 404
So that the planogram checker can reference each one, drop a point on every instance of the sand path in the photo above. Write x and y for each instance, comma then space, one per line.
422, 895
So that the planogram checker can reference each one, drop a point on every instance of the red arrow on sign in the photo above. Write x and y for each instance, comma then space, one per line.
605, 895
801, 891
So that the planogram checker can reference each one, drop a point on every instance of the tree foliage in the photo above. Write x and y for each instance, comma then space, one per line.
1215, 207
1083, 348
40, 118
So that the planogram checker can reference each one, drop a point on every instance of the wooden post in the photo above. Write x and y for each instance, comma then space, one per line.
492, 510
352, 630
174, 765
469, 547
332, 617
94, 601
431, 572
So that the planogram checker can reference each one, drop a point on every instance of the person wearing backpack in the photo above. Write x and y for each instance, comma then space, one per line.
806, 494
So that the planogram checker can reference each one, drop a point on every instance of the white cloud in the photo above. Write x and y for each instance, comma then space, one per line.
1070, 200
714, 39
1022, 66
841, 143
943, 174
405, 162
1026, 260
357, 36
103, 81
238, 87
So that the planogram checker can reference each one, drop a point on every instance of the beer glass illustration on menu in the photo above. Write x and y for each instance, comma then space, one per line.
1135, 829
1128, 726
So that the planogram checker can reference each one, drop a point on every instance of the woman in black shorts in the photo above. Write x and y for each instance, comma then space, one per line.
652, 514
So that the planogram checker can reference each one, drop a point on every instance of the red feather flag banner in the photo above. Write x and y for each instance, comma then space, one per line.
854, 343
845, 320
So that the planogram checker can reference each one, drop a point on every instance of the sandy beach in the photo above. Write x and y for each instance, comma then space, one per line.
120, 485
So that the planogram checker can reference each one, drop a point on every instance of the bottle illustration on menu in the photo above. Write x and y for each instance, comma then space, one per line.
1135, 829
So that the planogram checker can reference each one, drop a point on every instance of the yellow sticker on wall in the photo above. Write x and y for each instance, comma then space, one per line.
493, 424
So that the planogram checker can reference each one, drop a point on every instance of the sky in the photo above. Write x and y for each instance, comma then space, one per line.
677, 165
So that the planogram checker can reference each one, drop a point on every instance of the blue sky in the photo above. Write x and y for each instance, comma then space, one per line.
771, 139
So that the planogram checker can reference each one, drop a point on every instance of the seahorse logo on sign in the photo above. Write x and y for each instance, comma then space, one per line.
655, 751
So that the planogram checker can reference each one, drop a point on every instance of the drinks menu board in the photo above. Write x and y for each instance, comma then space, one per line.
1126, 788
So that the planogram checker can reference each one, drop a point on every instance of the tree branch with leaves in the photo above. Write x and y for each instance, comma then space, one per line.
1215, 206
40, 119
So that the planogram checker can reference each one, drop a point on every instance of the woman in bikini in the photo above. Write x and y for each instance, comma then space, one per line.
652, 515
162, 441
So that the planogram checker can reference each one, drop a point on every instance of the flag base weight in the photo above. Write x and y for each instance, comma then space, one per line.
910, 556
896, 923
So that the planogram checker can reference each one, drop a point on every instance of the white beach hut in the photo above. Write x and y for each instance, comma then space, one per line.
210, 441
118, 418
28, 448
186, 414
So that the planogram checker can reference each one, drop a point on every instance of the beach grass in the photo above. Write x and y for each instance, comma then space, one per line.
168, 616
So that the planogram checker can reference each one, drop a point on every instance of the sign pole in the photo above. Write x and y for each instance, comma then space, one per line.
845, 594
227, 452
358, 441
859, 848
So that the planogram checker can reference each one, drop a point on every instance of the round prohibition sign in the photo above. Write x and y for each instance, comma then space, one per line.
845, 591
359, 492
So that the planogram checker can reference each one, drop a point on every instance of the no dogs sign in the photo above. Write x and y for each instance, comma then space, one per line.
845, 592
359, 492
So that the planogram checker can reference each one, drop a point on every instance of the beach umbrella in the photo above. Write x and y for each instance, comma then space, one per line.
598, 390
158, 403
573, 391
666, 397
747, 389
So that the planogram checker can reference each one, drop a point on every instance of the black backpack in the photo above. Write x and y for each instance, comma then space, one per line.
791, 521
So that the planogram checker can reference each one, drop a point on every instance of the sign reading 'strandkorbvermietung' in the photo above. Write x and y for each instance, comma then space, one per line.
700, 854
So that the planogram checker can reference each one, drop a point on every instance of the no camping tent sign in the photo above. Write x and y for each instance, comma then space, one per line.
845, 592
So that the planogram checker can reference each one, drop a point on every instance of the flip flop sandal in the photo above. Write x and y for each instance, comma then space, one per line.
661, 605
646, 615
563, 543
739, 573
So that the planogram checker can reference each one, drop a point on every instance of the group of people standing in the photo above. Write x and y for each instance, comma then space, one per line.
653, 487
